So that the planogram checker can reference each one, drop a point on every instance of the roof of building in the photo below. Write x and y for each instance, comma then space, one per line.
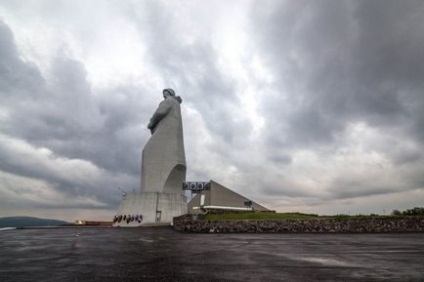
219, 197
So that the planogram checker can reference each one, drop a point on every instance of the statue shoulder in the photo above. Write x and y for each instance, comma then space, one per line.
178, 99
172, 101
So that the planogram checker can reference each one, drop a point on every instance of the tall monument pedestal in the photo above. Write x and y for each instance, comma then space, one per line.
149, 209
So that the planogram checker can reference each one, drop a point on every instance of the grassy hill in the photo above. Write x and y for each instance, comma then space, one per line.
25, 221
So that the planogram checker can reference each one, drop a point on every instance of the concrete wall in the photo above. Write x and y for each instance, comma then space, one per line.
188, 223
171, 205
148, 204
195, 202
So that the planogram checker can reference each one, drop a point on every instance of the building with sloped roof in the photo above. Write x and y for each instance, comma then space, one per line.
215, 196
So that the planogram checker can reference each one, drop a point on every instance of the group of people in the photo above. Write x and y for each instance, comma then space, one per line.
127, 218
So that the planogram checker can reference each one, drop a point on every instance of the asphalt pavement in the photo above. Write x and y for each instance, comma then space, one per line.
162, 254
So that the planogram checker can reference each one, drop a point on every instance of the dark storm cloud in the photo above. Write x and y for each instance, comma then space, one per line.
341, 62
16, 76
304, 44
66, 117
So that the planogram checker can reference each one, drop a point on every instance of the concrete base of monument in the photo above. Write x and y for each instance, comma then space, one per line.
149, 209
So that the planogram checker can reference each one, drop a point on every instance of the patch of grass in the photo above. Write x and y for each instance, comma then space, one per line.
294, 215
258, 215
357, 216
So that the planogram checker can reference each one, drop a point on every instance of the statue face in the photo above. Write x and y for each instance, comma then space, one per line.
166, 94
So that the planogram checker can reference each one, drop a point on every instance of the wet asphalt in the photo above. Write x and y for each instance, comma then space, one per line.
162, 254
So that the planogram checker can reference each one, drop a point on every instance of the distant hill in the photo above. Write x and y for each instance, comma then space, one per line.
24, 221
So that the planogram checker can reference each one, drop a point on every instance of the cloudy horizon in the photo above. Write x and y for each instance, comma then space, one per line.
303, 106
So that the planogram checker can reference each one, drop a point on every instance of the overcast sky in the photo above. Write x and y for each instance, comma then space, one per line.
308, 106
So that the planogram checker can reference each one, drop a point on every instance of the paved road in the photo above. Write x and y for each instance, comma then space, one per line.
145, 254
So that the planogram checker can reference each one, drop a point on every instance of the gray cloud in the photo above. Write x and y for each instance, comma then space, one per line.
66, 117
342, 62
337, 113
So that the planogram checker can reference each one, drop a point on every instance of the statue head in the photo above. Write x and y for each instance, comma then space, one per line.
168, 92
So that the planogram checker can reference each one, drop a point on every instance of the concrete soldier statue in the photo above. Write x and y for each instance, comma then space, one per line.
163, 159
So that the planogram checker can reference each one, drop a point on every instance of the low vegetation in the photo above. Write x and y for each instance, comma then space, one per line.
296, 215
410, 212
257, 215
